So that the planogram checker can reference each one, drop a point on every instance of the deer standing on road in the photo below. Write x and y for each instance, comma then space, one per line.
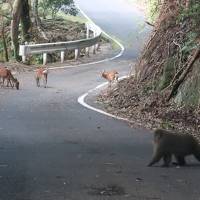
110, 76
5, 74
41, 73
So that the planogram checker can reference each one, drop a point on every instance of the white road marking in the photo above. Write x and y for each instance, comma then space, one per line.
81, 99
95, 62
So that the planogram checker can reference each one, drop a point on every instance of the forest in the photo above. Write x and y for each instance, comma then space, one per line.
25, 21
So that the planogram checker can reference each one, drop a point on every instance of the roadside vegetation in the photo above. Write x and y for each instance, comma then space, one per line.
149, 7
164, 89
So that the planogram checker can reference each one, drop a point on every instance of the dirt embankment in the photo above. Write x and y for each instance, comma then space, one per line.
165, 89
57, 31
148, 110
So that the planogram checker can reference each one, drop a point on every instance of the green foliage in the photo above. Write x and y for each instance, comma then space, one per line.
71, 18
54, 6
43, 8
38, 59
1, 45
147, 89
166, 124
189, 93
190, 17
168, 73
189, 43
1, 51
193, 13
153, 9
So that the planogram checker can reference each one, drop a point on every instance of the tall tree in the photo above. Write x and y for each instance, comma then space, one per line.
25, 20
35, 13
54, 6
16, 15
2, 33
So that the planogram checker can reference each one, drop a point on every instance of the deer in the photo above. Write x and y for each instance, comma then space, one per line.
110, 76
41, 73
5, 73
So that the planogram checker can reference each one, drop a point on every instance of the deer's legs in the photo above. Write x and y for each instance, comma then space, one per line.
9, 82
45, 80
1, 82
37, 81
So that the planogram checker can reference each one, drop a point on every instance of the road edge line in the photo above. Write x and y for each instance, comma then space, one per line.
81, 100
95, 62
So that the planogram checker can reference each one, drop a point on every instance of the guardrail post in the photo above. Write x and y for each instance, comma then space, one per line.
23, 59
90, 44
44, 58
22, 52
87, 51
62, 56
87, 31
98, 45
77, 52
94, 47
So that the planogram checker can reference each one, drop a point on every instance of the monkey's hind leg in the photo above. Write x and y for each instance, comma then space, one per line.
180, 160
167, 158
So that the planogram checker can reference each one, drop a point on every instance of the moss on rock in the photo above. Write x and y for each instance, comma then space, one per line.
189, 92
168, 73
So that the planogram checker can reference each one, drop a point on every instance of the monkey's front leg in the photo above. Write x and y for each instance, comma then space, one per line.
156, 158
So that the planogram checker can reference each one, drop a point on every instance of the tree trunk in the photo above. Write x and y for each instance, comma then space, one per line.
37, 19
35, 13
25, 20
179, 80
16, 14
4, 43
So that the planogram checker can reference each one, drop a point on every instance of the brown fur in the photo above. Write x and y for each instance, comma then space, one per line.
5, 74
168, 143
41, 73
110, 76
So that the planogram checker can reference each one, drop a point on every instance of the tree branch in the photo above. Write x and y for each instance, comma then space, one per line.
150, 24
178, 82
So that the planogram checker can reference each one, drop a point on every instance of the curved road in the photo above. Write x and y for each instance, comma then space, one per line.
52, 148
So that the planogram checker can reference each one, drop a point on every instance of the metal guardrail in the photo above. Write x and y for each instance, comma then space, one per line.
77, 45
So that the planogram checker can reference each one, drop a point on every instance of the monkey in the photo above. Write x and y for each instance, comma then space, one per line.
168, 143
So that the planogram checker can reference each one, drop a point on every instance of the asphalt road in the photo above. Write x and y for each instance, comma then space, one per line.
52, 148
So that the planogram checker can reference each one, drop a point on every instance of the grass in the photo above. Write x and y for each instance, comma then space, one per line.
72, 18
114, 45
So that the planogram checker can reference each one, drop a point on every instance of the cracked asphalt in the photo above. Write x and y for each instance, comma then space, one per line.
53, 148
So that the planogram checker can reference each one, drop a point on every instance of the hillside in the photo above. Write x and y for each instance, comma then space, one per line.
164, 91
